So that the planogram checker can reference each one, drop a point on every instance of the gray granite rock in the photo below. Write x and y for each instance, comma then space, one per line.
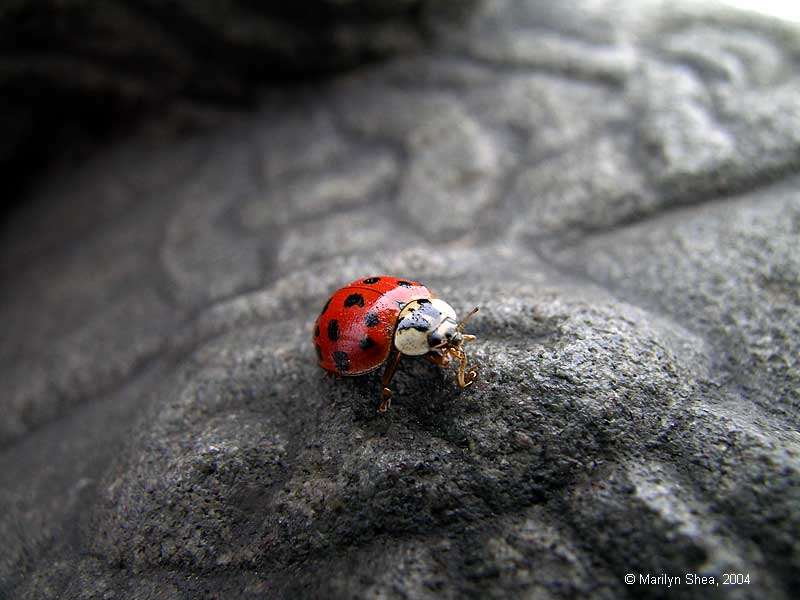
614, 187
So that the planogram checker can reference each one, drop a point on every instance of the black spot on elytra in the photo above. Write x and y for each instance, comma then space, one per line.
333, 330
319, 352
366, 343
353, 300
371, 280
316, 331
424, 301
324, 308
404, 283
371, 319
342, 360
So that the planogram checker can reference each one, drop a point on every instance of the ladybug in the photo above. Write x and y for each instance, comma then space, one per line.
378, 320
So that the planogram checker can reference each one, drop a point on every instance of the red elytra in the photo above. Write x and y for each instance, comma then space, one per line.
376, 320
353, 333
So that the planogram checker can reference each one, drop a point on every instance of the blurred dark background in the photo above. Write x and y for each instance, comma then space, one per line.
76, 73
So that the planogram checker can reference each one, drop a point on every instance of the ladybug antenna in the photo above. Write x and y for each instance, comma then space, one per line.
460, 326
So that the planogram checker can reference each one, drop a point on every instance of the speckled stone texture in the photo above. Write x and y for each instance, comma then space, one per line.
616, 185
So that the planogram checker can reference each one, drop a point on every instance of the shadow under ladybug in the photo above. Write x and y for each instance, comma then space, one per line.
425, 388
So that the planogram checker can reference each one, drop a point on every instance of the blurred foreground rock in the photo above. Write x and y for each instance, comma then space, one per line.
617, 188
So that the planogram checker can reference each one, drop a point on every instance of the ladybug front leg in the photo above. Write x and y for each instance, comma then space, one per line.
388, 373
465, 378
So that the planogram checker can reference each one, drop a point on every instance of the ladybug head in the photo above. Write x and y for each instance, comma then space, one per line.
429, 325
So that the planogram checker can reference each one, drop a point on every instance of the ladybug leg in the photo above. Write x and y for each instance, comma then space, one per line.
465, 378
388, 373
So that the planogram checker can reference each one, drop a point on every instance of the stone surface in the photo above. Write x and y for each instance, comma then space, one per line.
616, 187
